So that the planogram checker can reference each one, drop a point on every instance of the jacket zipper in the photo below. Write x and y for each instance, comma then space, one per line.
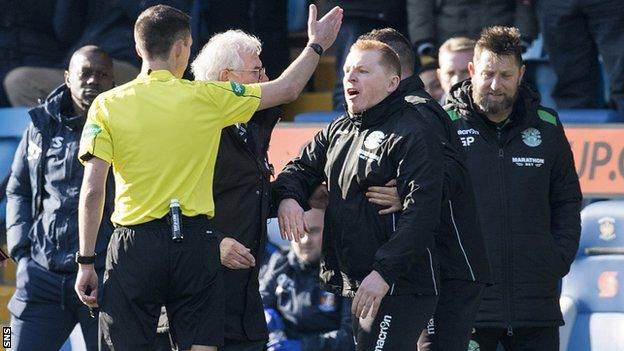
505, 242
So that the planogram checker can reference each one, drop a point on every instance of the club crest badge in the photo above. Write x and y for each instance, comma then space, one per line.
607, 228
237, 88
532, 137
374, 139
327, 302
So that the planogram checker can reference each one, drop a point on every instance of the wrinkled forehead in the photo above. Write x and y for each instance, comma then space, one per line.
250, 59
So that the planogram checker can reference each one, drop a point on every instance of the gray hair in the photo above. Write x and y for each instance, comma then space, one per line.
223, 51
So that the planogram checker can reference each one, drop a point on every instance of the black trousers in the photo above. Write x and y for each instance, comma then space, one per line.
521, 339
145, 270
451, 326
398, 323
575, 33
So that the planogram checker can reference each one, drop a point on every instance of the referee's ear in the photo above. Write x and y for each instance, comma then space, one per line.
224, 75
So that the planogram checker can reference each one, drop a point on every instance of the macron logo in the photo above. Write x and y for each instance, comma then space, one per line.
383, 332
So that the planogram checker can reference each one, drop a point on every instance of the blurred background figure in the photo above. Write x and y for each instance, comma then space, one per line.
429, 75
453, 59
432, 22
576, 33
301, 316
107, 24
33, 33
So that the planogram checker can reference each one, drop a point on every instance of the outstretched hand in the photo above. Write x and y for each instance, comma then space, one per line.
325, 30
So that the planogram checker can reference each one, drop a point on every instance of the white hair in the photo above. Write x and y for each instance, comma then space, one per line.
223, 51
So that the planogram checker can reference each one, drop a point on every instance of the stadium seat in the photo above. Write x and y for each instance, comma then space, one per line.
297, 15
274, 235
590, 116
592, 302
13, 122
317, 117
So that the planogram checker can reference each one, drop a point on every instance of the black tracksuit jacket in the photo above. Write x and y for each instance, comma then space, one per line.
529, 199
459, 240
353, 153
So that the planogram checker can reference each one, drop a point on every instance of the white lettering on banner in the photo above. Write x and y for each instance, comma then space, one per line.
383, 332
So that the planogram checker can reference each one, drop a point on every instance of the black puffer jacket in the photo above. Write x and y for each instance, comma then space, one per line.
353, 153
529, 198
44, 186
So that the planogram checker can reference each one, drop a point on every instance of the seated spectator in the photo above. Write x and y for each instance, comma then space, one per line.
432, 22
428, 74
33, 33
107, 24
301, 316
453, 58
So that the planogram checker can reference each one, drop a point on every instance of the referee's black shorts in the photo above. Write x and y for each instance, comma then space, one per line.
145, 269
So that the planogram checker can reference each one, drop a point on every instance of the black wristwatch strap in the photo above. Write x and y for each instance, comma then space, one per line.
317, 48
85, 259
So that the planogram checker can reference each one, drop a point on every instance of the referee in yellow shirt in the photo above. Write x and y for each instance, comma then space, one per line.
161, 134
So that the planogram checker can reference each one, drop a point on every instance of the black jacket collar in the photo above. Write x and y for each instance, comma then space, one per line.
378, 113
57, 107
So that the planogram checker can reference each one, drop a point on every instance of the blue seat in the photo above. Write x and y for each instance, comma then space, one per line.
590, 116
591, 289
317, 117
297, 15
13, 122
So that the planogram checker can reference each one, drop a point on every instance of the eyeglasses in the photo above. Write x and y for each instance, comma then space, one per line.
261, 71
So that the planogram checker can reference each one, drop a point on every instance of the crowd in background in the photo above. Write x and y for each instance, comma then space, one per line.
581, 39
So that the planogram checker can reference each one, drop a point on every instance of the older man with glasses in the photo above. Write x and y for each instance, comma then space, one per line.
241, 189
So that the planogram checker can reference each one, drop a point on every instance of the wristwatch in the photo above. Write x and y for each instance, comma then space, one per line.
85, 259
317, 48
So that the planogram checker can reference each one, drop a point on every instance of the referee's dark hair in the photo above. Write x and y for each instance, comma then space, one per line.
399, 43
158, 27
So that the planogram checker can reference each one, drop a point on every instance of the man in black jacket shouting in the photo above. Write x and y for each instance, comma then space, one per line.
464, 265
527, 193
386, 262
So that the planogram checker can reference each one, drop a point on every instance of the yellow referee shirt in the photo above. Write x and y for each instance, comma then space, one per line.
161, 135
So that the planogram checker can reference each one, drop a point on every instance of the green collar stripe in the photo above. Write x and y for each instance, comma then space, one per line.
547, 117
453, 114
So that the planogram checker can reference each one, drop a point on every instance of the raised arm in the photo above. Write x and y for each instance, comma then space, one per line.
291, 82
